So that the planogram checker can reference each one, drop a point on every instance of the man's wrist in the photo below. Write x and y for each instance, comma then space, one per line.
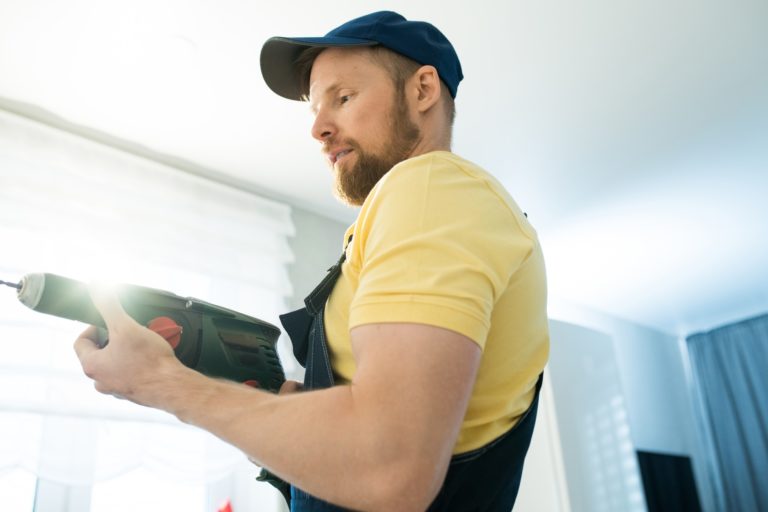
169, 387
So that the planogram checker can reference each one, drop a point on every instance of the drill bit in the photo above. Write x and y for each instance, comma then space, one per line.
12, 285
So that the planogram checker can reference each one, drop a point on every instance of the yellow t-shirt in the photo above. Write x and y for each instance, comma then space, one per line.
439, 241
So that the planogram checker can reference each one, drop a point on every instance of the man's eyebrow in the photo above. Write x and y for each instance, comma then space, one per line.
330, 90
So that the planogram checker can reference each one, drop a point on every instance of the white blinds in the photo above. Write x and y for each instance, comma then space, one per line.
77, 208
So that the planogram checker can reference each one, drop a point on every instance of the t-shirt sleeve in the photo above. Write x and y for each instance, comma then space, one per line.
436, 245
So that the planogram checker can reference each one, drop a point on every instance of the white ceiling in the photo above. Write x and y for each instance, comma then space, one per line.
635, 134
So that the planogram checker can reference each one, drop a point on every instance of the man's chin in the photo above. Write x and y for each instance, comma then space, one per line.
345, 199
347, 192
355, 176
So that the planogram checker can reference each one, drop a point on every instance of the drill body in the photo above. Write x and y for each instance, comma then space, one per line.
213, 340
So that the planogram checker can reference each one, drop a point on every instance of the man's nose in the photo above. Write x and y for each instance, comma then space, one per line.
323, 128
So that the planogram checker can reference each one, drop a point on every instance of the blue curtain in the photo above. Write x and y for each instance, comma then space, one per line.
730, 371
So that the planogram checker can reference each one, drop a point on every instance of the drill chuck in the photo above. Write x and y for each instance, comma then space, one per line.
31, 290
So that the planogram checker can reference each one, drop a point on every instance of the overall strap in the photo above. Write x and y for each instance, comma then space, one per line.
315, 301
488, 479
306, 328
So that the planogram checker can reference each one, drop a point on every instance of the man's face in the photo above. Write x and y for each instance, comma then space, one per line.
361, 120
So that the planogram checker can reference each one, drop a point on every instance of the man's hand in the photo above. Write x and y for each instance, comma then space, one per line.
136, 363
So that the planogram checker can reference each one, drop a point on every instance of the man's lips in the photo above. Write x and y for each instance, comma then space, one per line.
336, 155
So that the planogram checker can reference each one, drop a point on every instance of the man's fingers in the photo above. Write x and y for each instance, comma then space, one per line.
290, 386
90, 333
84, 347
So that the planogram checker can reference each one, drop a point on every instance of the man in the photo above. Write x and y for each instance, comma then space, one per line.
425, 344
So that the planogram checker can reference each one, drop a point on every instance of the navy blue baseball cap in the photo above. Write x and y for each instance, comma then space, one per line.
417, 40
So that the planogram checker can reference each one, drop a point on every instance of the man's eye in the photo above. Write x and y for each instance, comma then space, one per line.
344, 99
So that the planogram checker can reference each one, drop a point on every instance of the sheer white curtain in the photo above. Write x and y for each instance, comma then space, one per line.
80, 209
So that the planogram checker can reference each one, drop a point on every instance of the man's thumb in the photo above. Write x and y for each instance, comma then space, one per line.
104, 297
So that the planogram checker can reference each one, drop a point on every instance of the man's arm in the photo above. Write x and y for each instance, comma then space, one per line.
381, 443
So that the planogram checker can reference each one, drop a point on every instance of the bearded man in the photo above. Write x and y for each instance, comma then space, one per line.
424, 345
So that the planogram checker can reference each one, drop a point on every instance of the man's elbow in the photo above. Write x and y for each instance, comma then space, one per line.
407, 486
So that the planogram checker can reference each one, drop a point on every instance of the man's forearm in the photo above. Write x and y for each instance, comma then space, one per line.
324, 442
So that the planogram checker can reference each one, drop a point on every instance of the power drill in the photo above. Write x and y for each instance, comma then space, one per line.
213, 340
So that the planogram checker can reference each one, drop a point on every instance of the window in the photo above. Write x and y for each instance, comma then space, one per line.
79, 209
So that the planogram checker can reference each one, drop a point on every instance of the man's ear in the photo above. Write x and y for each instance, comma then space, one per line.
428, 87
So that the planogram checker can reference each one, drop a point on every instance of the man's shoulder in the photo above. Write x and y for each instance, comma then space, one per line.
442, 182
446, 182
442, 160
448, 173
433, 169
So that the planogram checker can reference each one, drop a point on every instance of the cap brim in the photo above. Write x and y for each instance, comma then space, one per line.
279, 55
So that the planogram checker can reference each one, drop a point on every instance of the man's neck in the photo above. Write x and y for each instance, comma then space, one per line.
428, 146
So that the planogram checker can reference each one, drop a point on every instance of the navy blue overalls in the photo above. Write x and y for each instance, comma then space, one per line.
486, 479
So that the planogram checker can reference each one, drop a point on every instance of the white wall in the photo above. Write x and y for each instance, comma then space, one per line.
316, 246
601, 468
643, 370
653, 377
652, 373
